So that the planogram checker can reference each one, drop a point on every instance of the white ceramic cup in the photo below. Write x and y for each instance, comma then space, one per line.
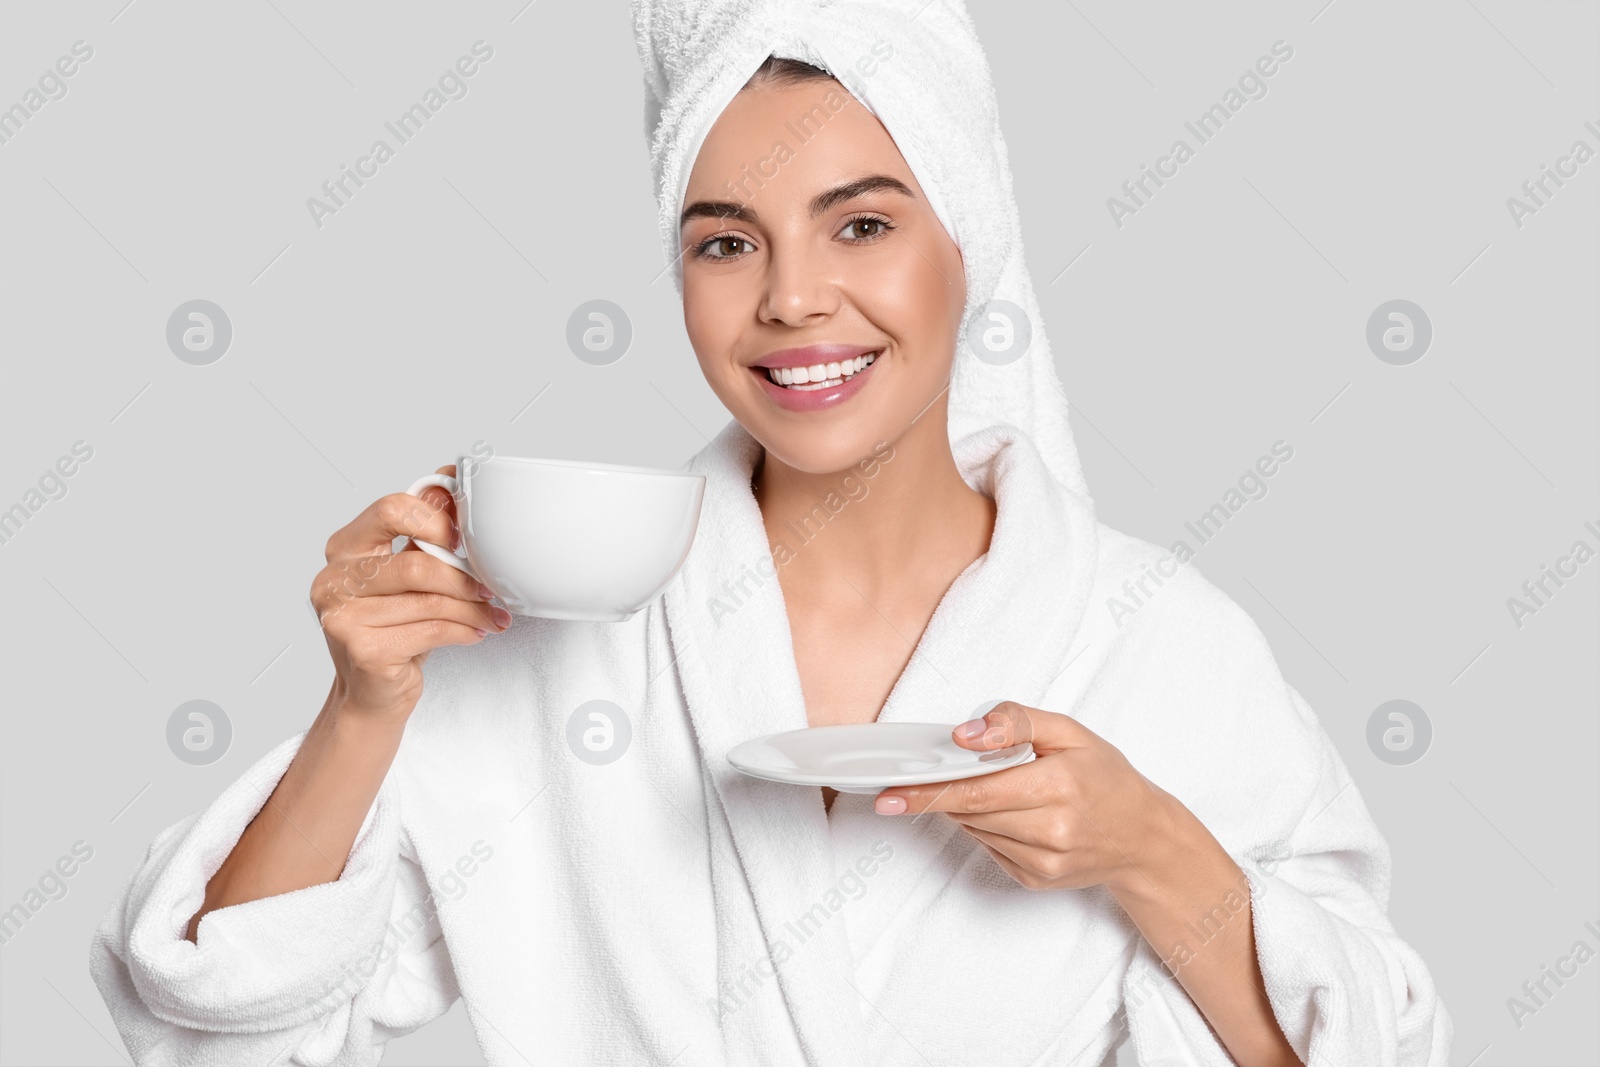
555, 539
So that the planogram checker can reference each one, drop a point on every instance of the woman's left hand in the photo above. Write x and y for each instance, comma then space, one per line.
1078, 815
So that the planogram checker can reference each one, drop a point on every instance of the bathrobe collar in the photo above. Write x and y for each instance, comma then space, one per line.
1003, 630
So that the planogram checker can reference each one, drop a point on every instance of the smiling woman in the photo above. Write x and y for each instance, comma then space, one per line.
661, 906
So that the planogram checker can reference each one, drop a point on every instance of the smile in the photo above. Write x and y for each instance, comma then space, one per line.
822, 386
820, 375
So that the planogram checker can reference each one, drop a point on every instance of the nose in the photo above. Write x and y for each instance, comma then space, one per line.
798, 290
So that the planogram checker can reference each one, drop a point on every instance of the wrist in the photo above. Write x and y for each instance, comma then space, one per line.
1175, 854
351, 714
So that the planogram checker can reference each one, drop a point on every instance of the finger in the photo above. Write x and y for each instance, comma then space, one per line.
1018, 852
1006, 863
1014, 825
1027, 867
400, 609
414, 638
990, 792
1004, 723
395, 515
439, 500
430, 517
405, 572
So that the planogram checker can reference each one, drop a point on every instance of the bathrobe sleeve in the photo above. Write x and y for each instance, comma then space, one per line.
1344, 987
1258, 769
321, 976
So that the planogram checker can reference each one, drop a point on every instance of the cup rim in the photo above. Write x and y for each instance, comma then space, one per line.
573, 464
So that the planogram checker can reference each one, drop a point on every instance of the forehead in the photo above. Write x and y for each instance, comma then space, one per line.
785, 143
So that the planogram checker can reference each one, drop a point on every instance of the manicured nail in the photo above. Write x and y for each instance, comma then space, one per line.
889, 805
970, 728
482, 633
502, 617
485, 592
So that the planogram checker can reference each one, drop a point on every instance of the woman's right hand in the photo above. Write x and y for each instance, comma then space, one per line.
382, 612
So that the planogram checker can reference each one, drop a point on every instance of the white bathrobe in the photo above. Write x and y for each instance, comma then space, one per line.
662, 908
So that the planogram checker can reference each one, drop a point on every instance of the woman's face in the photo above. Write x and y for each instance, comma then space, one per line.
808, 242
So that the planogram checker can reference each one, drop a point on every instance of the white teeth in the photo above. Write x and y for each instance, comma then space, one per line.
821, 375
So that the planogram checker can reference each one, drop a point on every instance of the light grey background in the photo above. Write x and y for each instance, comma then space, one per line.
1228, 313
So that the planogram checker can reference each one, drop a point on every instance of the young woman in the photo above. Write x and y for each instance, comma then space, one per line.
895, 528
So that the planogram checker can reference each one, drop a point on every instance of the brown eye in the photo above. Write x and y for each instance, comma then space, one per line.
722, 246
865, 228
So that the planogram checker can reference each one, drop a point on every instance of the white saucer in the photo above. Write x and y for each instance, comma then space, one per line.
869, 757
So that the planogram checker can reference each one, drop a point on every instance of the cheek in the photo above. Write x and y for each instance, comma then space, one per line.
915, 306
706, 320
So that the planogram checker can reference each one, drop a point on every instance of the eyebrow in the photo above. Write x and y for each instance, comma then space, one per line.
729, 209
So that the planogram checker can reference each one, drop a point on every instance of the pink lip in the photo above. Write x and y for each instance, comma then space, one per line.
813, 354
817, 399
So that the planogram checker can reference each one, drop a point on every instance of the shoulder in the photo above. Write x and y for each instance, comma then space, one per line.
1182, 679
1149, 595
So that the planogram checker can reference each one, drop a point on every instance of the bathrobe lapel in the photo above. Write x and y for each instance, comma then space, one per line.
1002, 631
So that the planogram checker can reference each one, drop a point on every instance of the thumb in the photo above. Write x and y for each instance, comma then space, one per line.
1003, 723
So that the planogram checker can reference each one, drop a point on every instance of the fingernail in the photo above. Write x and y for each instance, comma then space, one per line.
502, 617
482, 633
970, 728
889, 805
485, 592
455, 537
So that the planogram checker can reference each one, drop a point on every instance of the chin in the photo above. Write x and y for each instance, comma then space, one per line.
822, 450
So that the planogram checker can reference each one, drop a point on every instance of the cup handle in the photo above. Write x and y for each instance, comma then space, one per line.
444, 555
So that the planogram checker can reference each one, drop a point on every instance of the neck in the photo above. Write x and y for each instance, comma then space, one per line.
906, 520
